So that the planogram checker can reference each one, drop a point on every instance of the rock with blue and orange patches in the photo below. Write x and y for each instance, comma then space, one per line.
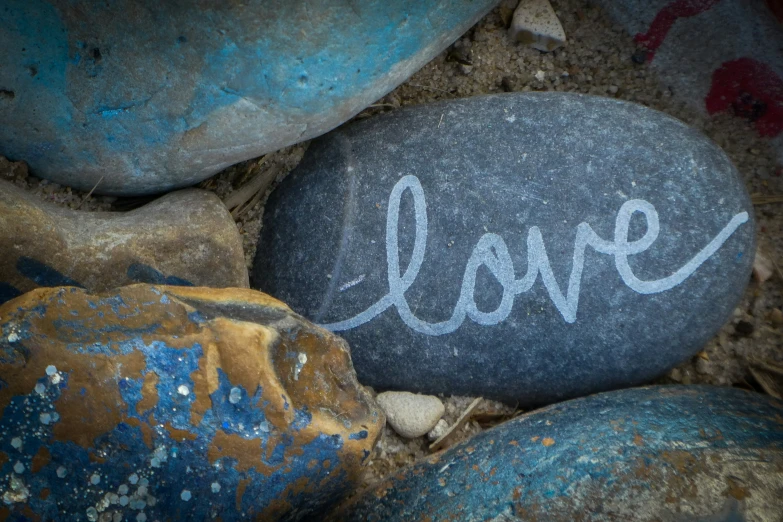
176, 403
663, 454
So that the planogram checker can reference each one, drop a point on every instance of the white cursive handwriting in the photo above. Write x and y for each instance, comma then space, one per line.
491, 251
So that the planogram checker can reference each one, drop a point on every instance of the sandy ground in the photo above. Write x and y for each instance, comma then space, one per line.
596, 60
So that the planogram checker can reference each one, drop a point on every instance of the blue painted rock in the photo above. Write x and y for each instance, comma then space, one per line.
174, 403
658, 454
523, 247
184, 238
150, 95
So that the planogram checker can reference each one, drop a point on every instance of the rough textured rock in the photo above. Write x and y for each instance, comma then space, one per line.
179, 403
150, 96
523, 247
410, 414
535, 23
671, 454
183, 238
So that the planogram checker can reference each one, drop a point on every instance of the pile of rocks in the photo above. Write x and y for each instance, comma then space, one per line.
531, 248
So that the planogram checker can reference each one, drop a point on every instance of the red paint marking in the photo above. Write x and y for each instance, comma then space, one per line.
665, 19
752, 90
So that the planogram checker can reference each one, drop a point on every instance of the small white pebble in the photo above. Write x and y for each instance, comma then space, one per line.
45, 418
302, 357
16, 442
155, 462
123, 489
19, 468
133, 479
95, 479
124, 500
215, 487
183, 390
40, 389
141, 491
51, 370
12, 337
56, 378
92, 514
235, 395
61, 472
185, 495
141, 517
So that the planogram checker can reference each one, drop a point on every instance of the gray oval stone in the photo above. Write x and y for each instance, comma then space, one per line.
523, 247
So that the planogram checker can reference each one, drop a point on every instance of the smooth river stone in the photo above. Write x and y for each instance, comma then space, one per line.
183, 238
658, 454
147, 96
179, 403
624, 240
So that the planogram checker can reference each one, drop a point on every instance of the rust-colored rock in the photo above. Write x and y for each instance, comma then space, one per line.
181, 403
184, 238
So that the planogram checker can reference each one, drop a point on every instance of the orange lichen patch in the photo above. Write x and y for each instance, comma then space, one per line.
41, 459
247, 452
241, 296
276, 509
146, 430
91, 404
149, 393
243, 350
241, 492
180, 435
513, 443
638, 440
534, 439
548, 441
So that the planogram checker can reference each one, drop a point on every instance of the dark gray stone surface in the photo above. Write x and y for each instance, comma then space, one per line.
524, 247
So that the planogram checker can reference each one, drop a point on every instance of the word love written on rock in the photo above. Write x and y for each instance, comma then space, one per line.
525, 247
492, 252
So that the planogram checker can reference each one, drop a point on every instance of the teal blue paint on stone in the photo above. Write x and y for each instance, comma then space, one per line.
157, 95
672, 454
